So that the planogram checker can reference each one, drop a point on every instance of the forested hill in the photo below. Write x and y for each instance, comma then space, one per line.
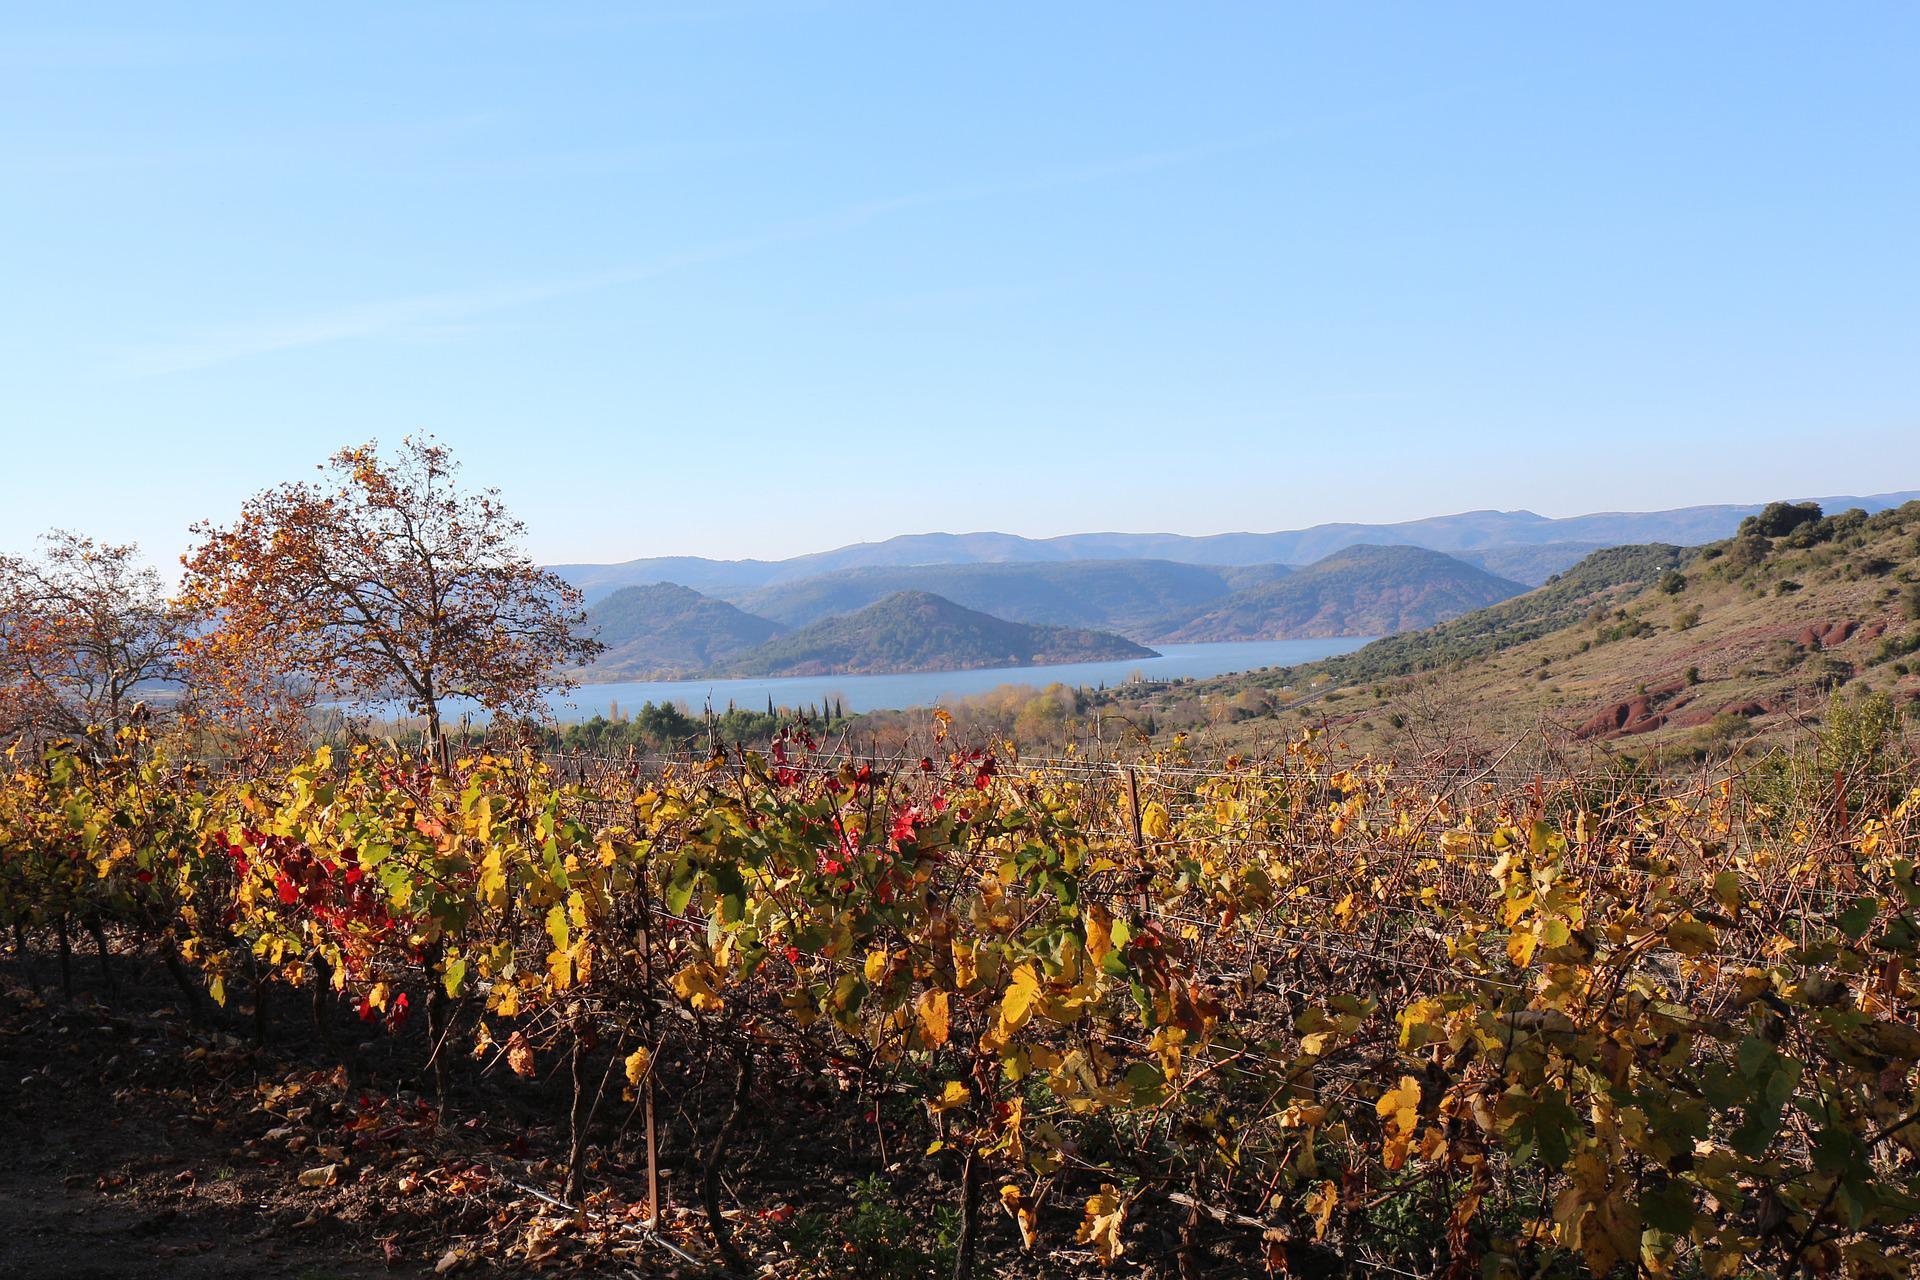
1364, 590
1596, 582
918, 631
664, 631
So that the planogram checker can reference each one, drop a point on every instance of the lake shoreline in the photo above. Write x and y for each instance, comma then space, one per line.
898, 691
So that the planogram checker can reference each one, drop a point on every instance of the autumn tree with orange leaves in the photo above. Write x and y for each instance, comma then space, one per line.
386, 582
87, 636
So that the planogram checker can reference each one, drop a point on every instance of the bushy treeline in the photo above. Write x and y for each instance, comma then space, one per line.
665, 726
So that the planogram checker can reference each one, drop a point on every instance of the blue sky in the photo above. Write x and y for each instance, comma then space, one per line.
757, 278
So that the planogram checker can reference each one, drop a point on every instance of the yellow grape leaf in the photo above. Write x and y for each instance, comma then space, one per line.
557, 926
1726, 889
1014, 1203
493, 879
1421, 1021
1315, 1043
1321, 1202
1400, 1109
380, 996
1155, 821
1015, 1117
1106, 1216
966, 970
1690, 938
699, 985
932, 1008
218, 990
954, 1094
636, 1065
1016, 1006
876, 966
1520, 945
520, 1054
1099, 922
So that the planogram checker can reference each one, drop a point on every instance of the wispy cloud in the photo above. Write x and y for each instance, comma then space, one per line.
399, 144
111, 49
442, 311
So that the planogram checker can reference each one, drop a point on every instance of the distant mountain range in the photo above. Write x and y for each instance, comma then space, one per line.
1514, 544
1128, 596
982, 596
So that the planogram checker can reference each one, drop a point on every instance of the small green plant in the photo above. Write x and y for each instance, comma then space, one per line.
875, 1239
1857, 733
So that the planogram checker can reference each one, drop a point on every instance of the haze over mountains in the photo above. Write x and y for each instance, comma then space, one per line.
1524, 539
686, 616
867, 621
1128, 596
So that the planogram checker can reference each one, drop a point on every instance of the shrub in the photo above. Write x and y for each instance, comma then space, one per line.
1858, 732
1777, 519
1747, 551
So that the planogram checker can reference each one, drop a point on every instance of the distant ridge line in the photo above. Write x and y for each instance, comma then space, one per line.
1511, 536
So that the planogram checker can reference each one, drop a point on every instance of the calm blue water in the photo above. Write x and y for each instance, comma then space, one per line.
930, 688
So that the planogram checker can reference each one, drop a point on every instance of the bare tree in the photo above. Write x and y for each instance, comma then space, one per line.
86, 635
388, 581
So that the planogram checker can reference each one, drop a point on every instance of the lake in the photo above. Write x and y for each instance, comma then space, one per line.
931, 688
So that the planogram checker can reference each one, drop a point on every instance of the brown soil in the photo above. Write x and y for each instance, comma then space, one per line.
137, 1142
134, 1142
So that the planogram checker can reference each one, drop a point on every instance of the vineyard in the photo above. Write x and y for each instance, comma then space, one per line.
965, 1013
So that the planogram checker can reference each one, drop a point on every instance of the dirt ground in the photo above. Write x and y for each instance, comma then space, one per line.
137, 1141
